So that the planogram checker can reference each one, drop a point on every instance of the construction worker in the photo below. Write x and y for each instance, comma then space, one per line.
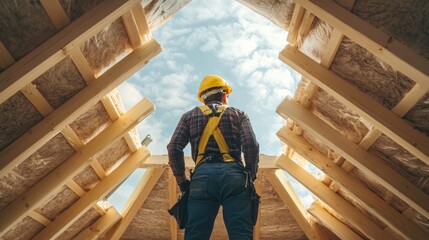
218, 134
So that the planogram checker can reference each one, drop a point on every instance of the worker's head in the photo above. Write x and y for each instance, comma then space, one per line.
214, 88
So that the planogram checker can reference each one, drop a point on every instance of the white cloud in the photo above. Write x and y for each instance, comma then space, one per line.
130, 94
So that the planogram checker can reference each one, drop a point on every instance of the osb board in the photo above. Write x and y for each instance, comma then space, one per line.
31, 170
87, 179
59, 203
107, 47
91, 123
278, 12
405, 20
418, 116
406, 164
26, 229
276, 220
24, 25
17, 115
339, 116
60, 83
369, 74
76, 8
86, 220
152, 219
113, 154
158, 12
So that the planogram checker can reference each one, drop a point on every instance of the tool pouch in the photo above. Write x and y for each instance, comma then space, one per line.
180, 210
255, 201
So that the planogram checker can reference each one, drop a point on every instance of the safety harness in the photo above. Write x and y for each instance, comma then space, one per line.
212, 129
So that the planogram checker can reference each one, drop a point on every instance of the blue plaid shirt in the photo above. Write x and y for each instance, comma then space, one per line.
235, 127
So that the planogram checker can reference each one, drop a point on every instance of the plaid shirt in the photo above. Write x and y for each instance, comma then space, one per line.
235, 127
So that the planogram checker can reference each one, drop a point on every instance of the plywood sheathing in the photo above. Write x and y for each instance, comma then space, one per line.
24, 25
60, 83
86, 220
17, 116
151, 220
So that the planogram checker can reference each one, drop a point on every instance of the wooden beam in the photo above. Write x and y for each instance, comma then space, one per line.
87, 201
56, 13
373, 166
82, 65
288, 195
99, 170
56, 48
295, 22
72, 138
337, 203
40, 218
132, 29
136, 200
336, 226
389, 123
172, 197
382, 45
305, 26
142, 24
37, 99
75, 188
6, 58
265, 161
53, 182
103, 224
369, 200
42, 132
322, 233
331, 49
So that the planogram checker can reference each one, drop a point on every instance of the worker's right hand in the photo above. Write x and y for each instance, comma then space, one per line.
184, 185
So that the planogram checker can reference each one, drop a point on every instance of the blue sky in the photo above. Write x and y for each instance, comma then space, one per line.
214, 37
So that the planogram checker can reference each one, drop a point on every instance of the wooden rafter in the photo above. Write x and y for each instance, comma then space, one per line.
136, 200
304, 28
370, 201
82, 65
6, 58
52, 183
132, 29
141, 21
295, 22
340, 205
382, 45
388, 122
59, 46
291, 201
336, 226
90, 198
103, 224
172, 198
373, 166
56, 13
38, 135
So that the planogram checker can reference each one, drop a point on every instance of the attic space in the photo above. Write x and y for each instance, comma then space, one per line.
337, 90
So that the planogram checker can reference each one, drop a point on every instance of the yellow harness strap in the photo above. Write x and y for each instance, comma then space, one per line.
212, 129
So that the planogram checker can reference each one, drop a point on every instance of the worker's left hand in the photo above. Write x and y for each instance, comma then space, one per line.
184, 185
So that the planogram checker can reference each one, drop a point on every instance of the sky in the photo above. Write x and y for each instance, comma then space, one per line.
219, 37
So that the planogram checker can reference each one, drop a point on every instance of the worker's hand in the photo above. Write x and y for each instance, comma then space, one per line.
184, 185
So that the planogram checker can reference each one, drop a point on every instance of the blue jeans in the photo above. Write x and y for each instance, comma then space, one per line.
213, 185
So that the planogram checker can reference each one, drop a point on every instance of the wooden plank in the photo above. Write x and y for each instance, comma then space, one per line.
288, 195
101, 173
336, 226
82, 65
6, 58
103, 224
382, 45
40, 218
295, 22
136, 200
373, 166
265, 161
410, 99
321, 233
75, 188
172, 198
56, 13
56, 48
44, 189
142, 24
388, 122
72, 138
368, 199
87, 201
132, 29
305, 26
331, 48
42, 132
337, 203
37, 99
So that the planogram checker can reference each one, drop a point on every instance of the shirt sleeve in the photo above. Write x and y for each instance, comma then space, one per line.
250, 146
178, 142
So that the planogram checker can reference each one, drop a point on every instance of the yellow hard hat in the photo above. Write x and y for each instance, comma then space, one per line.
213, 81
